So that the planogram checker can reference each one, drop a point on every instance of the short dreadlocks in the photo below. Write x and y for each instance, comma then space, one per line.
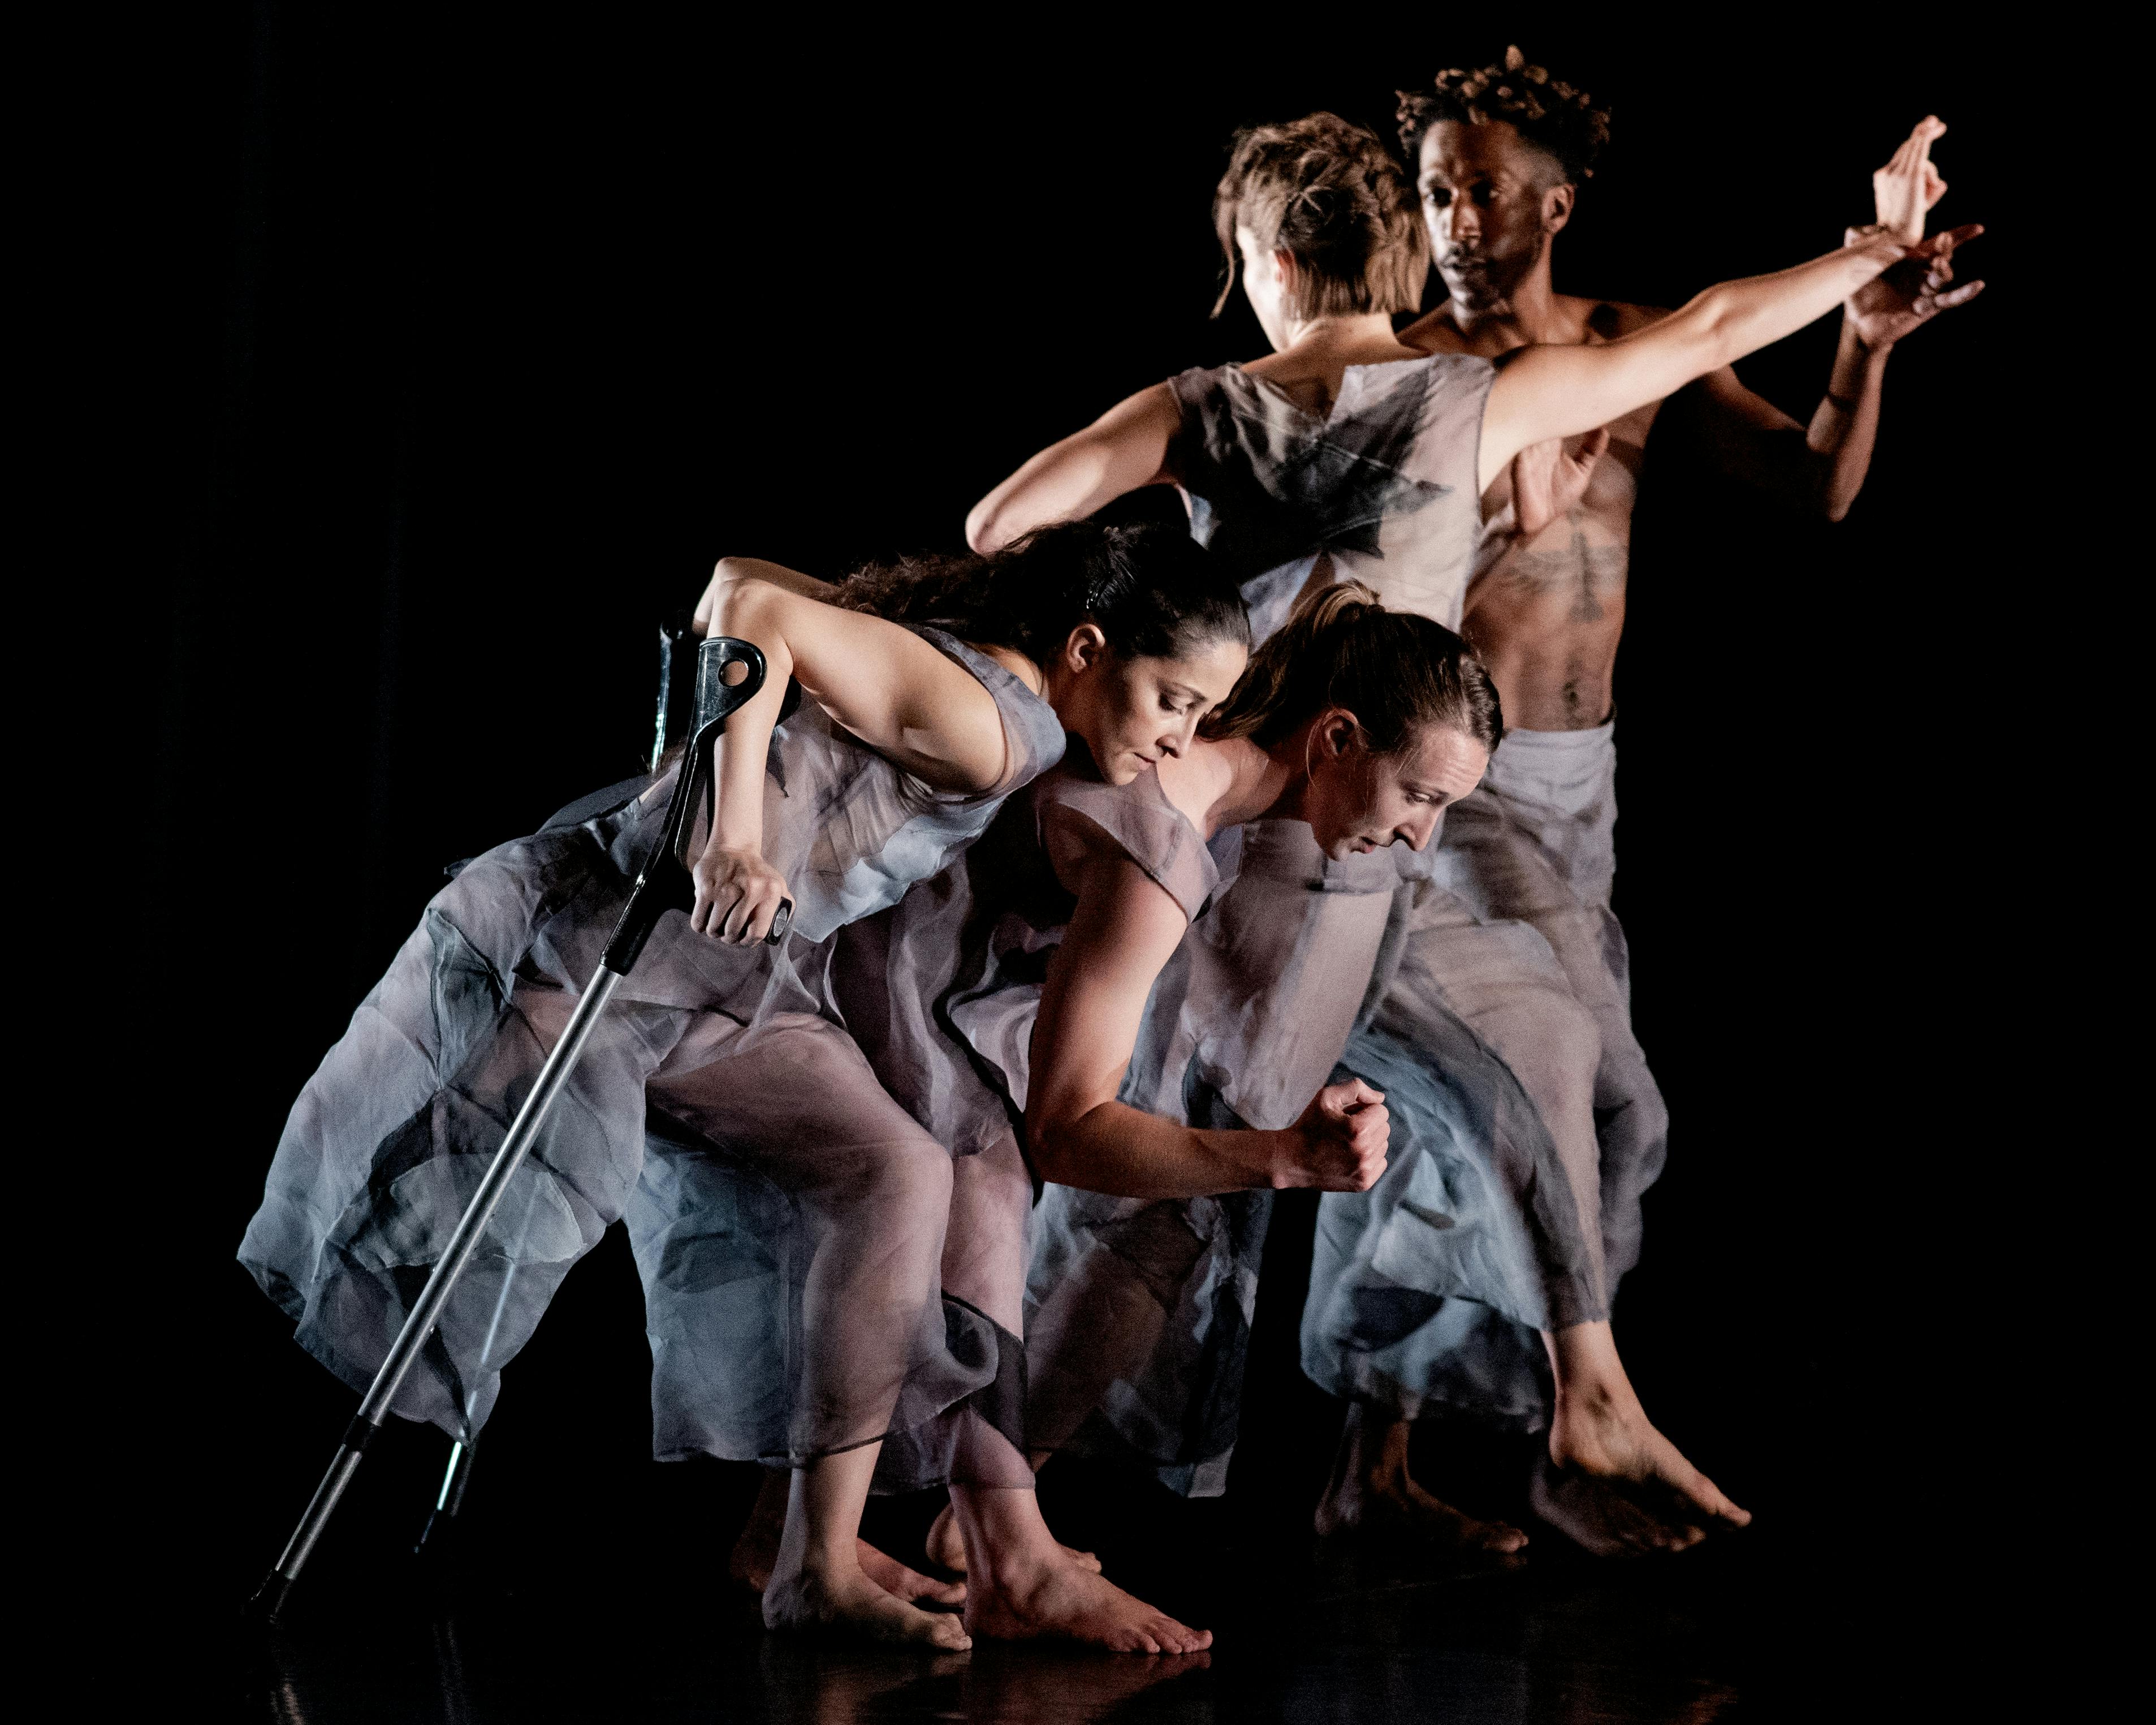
1562, 122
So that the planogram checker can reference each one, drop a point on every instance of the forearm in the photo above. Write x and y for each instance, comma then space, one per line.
1126, 1152
1734, 318
1844, 428
1124, 449
1065, 482
1564, 390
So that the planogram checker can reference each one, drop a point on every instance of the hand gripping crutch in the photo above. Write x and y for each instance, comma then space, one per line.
663, 884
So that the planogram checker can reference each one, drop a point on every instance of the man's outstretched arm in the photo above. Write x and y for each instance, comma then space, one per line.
1822, 465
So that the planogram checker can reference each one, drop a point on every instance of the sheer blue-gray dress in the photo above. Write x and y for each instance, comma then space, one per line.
1466, 1021
832, 1195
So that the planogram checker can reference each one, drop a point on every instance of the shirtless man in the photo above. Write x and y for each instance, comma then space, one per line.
1499, 153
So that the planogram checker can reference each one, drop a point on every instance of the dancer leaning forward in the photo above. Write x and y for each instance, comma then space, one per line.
1347, 454
909, 735
1096, 973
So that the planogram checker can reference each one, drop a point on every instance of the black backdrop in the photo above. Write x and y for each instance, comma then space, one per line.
475, 344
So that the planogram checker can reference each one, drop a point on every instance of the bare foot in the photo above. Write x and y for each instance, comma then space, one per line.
1027, 1601
756, 1552
900, 1582
1616, 1485
1371, 1493
841, 1603
1393, 1506
947, 1546
1601, 1516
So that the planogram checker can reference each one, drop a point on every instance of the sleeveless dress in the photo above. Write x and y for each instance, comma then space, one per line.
942, 992
1380, 490
1479, 1202
737, 1048
1140, 1307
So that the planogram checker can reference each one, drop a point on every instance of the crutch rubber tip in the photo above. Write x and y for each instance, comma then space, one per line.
269, 1599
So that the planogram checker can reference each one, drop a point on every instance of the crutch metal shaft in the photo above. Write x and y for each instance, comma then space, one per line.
662, 883
374, 1407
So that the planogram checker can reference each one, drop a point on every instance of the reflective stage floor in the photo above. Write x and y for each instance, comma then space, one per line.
1734, 1632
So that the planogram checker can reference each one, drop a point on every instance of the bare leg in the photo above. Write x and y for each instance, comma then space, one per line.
1615, 1483
818, 1584
756, 1552
984, 1259
1370, 1493
1022, 1587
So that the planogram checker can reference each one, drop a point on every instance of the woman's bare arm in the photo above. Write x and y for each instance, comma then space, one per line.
1542, 392
1122, 933
894, 691
1125, 448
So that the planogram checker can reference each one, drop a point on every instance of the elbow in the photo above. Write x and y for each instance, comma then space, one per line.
984, 532
1720, 333
1837, 496
1048, 1134
740, 600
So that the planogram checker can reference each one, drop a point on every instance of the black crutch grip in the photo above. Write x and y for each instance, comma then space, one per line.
664, 884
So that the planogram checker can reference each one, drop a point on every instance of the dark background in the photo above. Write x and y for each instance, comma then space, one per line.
467, 348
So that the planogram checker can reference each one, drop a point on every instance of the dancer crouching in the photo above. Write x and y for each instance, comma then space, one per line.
906, 740
1090, 988
1130, 650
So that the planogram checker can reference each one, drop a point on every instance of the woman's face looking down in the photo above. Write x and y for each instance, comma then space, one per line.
1130, 712
1358, 800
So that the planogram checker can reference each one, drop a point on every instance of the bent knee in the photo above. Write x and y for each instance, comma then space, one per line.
909, 1180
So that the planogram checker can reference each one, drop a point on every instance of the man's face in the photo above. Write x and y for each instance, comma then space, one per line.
1489, 200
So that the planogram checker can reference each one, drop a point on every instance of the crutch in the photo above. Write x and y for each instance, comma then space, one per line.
675, 719
662, 883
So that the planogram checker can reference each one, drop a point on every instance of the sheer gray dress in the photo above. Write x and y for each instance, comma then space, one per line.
942, 993
832, 1194
1467, 1022
1139, 1309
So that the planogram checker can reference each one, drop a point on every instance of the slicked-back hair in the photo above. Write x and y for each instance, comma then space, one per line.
1329, 194
1395, 671
1151, 590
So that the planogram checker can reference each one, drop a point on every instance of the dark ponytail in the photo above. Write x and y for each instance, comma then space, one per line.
1153, 591
1392, 670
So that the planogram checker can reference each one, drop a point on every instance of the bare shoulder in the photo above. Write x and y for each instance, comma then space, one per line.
1434, 332
1606, 320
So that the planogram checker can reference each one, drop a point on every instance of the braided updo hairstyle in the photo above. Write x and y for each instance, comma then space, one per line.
1562, 122
1394, 670
1328, 193
1150, 589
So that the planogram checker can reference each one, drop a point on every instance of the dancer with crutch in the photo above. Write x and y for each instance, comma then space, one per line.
906, 739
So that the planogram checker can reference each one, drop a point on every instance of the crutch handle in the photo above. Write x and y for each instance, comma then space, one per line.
664, 883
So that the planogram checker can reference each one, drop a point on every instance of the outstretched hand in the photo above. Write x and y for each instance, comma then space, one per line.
1549, 477
738, 894
1343, 1135
1904, 191
1910, 292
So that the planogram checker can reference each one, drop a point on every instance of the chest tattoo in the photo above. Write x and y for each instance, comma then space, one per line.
1589, 573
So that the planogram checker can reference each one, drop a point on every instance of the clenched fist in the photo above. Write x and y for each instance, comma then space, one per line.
1341, 1140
